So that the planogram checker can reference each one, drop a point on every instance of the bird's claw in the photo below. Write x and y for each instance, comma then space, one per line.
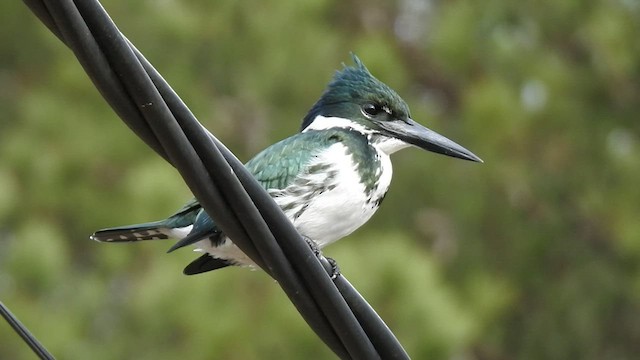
313, 245
335, 270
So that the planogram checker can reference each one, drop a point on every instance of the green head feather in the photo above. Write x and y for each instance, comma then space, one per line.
350, 89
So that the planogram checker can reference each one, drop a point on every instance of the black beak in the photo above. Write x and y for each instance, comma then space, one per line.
413, 133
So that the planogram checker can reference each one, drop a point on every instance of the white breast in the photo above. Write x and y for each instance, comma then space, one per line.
343, 206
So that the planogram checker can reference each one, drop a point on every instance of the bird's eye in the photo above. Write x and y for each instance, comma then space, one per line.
372, 110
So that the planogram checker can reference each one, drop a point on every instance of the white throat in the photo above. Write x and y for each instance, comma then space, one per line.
389, 145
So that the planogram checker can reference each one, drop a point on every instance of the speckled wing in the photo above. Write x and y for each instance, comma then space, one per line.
275, 168
279, 164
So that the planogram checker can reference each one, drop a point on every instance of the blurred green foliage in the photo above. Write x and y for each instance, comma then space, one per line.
533, 255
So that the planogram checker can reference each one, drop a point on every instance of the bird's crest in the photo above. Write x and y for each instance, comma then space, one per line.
354, 85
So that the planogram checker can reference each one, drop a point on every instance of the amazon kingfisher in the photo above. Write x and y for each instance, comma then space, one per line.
329, 179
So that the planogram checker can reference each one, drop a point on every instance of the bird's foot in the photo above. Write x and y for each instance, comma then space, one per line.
333, 270
313, 245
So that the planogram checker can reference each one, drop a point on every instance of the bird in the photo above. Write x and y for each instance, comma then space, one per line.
328, 179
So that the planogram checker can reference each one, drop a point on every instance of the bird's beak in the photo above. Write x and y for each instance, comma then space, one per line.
413, 133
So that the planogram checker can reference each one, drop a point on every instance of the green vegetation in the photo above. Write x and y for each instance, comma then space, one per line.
533, 255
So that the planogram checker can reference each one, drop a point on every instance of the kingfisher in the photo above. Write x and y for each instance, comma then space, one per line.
328, 179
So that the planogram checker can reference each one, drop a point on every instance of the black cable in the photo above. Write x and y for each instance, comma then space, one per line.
238, 204
17, 326
194, 174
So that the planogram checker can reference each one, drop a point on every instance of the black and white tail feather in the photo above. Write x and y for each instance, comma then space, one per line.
156, 230
162, 230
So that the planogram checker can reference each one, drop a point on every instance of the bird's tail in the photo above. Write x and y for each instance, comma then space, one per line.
156, 230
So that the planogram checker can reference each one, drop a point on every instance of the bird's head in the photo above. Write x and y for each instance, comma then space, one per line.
355, 99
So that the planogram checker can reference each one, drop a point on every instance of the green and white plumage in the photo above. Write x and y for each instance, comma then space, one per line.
329, 179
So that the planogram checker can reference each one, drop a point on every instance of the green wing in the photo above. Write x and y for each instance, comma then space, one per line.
275, 168
185, 216
279, 164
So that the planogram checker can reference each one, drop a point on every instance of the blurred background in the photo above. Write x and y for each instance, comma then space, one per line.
533, 255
